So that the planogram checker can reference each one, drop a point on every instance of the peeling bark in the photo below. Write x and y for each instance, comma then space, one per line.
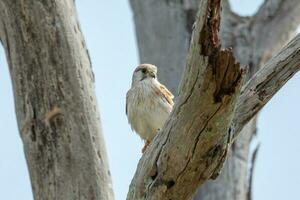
58, 117
163, 40
163, 33
193, 140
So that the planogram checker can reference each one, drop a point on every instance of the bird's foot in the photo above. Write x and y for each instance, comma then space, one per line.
145, 146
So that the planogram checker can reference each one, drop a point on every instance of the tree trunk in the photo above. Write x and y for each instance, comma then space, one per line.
163, 30
57, 111
55, 101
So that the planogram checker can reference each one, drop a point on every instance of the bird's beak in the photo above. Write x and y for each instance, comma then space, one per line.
152, 74
149, 74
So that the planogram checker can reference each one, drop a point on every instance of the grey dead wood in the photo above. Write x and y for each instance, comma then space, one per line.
194, 142
164, 28
273, 26
55, 102
58, 117
266, 82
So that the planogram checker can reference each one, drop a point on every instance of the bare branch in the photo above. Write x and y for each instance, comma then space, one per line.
193, 143
172, 21
266, 83
273, 25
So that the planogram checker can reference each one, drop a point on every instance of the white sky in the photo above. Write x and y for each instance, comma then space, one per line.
109, 32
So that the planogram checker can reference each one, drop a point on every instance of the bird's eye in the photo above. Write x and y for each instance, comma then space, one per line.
144, 71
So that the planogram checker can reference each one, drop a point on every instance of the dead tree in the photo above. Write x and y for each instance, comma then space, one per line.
164, 29
57, 113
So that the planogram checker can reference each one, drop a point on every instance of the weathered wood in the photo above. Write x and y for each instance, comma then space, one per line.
55, 101
53, 87
266, 82
163, 30
193, 143
252, 46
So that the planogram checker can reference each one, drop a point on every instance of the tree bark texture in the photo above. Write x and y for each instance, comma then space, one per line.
163, 30
55, 101
266, 82
195, 139
57, 112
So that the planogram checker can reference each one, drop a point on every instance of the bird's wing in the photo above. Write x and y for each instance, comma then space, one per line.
166, 94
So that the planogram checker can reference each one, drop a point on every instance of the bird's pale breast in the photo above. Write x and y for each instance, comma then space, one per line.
147, 108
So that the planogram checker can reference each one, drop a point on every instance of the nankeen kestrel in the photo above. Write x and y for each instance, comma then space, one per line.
148, 103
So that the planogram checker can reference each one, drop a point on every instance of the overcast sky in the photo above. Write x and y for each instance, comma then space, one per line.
109, 32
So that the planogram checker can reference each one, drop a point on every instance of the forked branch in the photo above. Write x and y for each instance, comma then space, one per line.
193, 143
192, 146
267, 82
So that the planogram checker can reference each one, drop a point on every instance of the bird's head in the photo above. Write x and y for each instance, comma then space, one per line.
144, 72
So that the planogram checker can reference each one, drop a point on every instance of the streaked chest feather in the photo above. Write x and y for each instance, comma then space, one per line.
147, 108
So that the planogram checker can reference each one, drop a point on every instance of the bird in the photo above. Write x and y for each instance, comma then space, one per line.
148, 103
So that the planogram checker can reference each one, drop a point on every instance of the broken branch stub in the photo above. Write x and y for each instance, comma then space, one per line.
192, 146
